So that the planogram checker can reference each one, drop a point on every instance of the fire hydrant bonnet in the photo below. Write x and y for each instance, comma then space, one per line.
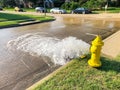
97, 41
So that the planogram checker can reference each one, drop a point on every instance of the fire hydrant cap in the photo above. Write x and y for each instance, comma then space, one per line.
97, 41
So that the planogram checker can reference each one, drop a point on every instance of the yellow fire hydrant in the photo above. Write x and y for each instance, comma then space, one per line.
95, 52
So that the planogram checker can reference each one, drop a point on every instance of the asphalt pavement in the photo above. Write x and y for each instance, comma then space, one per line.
19, 70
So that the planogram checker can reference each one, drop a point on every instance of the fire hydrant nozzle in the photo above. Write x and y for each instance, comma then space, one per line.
95, 49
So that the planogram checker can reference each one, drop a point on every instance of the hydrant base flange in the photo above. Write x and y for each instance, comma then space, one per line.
92, 64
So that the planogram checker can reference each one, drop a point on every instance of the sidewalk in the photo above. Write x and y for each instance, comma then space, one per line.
112, 45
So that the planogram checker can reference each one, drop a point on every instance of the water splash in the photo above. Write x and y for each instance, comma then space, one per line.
60, 51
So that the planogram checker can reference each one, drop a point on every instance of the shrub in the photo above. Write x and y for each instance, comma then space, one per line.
70, 5
93, 4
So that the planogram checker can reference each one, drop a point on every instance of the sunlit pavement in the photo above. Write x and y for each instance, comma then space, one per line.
111, 45
19, 70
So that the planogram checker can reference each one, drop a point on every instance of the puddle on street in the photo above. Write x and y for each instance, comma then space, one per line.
15, 66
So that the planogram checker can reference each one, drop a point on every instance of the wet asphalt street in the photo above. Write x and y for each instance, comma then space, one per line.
19, 70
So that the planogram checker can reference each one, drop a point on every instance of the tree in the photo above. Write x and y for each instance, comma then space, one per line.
118, 2
70, 5
2, 2
35, 1
25, 3
58, 3
93, 4
7, 3
74, 5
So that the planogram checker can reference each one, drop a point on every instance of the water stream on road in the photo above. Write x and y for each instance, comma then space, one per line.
60, 51
21, 48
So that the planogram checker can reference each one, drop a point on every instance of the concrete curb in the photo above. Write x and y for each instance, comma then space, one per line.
111, 45
24, 24
48, 77
56, 71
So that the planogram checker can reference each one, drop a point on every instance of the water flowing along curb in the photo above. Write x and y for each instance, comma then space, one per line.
62, 67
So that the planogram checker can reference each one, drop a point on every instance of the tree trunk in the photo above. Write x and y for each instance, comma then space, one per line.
118, 2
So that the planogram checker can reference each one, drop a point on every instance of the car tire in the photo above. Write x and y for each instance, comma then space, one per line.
37, 11
72, 12
83, 12
60, 12
42, 11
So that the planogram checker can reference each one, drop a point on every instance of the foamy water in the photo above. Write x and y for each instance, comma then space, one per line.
60, 51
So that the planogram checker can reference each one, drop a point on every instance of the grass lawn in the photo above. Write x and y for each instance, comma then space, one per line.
78, 75
25, 9
109, 10
7, 19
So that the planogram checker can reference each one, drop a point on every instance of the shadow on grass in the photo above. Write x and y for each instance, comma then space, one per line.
94, 12
109, 65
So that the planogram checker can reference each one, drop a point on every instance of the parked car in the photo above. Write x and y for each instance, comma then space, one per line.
81, 11
1, 8
17, 9
58, 10
40, 9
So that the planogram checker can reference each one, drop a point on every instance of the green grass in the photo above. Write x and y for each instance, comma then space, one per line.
29, 9
113, 10
9, 9
7, 19
7, 16
78, 75
7, 23
25, 9
109, 10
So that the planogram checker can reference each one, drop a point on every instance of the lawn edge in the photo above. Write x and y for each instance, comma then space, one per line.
62, 67
18, 25
49, 76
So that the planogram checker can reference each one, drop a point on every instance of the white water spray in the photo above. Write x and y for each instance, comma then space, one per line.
60, 51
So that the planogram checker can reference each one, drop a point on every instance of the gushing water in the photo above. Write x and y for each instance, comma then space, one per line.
60, 51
